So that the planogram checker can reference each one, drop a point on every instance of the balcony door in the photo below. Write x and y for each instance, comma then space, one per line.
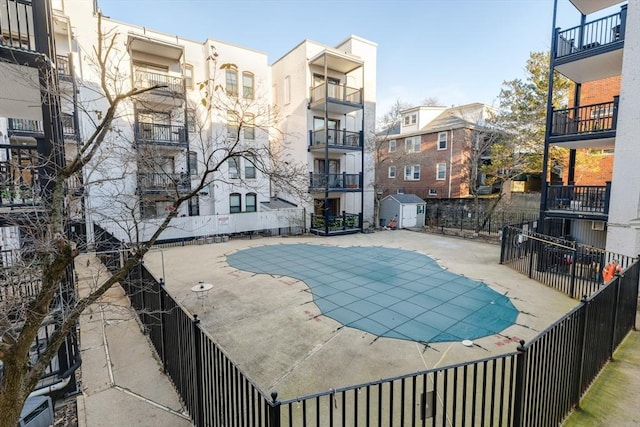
334, 171
333, 85
155, 125
332, 207
332, 128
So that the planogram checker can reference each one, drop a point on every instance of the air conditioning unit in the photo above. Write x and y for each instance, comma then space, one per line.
597, 225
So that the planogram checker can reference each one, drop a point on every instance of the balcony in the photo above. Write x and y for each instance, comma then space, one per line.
595, 122
591, 51
578, 201
338, 98
167, 89
338, 140
337, 182
63, 67
16, 25
167, 135
163, 182
33, 128
346, 223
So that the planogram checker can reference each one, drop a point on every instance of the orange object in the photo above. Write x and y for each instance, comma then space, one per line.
610, 270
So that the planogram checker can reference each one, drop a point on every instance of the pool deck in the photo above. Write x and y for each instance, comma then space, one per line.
270, 326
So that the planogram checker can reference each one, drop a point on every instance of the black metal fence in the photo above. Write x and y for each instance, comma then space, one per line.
522, 388
464, 219
567, 266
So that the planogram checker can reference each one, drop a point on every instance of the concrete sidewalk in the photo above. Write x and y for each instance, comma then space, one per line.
122, 381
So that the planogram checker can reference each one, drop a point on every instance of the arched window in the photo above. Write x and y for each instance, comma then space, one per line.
232, 82
248, 85
250, 200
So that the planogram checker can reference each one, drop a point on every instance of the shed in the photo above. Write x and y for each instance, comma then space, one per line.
408, 209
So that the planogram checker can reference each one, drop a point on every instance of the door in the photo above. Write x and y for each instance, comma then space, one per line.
409, 216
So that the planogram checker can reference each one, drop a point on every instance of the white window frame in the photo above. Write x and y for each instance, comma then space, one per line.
433, 192
412, 144
392, 172
410, 119
392, 145
441, 140
412, 173
441, 171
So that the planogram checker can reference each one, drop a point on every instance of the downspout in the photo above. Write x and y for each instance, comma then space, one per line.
450, 162
326, 148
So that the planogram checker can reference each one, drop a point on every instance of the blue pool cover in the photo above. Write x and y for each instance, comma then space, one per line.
387, 292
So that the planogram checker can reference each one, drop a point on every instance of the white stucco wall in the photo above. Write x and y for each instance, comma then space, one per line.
625, 191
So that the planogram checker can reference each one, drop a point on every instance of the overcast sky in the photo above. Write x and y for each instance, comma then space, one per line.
458, 51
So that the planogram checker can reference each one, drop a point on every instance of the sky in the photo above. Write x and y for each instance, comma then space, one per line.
457, 51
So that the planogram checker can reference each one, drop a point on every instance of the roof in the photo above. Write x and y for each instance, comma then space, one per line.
405, 198
457, 117
277, 203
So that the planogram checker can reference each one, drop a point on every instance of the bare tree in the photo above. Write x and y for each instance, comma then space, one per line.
105, 157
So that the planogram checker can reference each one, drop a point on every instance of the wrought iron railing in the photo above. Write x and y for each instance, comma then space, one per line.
321, 224
163, 181
63, 66
29, 126
162, 83
335, 137
579, 198
600, 32
16, 24
585, 119
336, 92
158, 133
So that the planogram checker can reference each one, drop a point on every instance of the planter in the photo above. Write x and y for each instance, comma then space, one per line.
225, 238
217, 239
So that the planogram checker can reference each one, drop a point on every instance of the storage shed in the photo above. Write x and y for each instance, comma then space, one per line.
407, 209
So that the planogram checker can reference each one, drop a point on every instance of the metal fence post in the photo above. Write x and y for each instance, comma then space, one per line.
614, 321
581, 350
197, 373
572, 281
163, 336
503, 246
274, 410
518, 402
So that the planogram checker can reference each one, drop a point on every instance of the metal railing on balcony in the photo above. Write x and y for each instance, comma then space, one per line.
163, 181
63, 66
163, 83
16, 24
337, 92
27, 126
585, 119
579, 198
158, 133
601, 32
336, 181
335, 138
335, 223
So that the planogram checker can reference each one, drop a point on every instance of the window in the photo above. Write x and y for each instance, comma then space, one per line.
247, 85
235, 200
412, 173
412, 145
392, 171
441, 172
433, 192
233, 123
194, 206
249, 126
250, 200
193, 162
249, 168
442, 141
234, 168
232, 82
188, 76
392, 146
410, 119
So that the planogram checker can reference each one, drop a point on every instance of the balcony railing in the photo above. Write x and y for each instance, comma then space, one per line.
163, 134
27, 126
336, 181
163, 83
163, 181
337, 93
579, 198
601, 32
335, 138
16, 24
338, 224
64, 69
585, 119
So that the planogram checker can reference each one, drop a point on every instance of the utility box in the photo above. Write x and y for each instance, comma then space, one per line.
37, 412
